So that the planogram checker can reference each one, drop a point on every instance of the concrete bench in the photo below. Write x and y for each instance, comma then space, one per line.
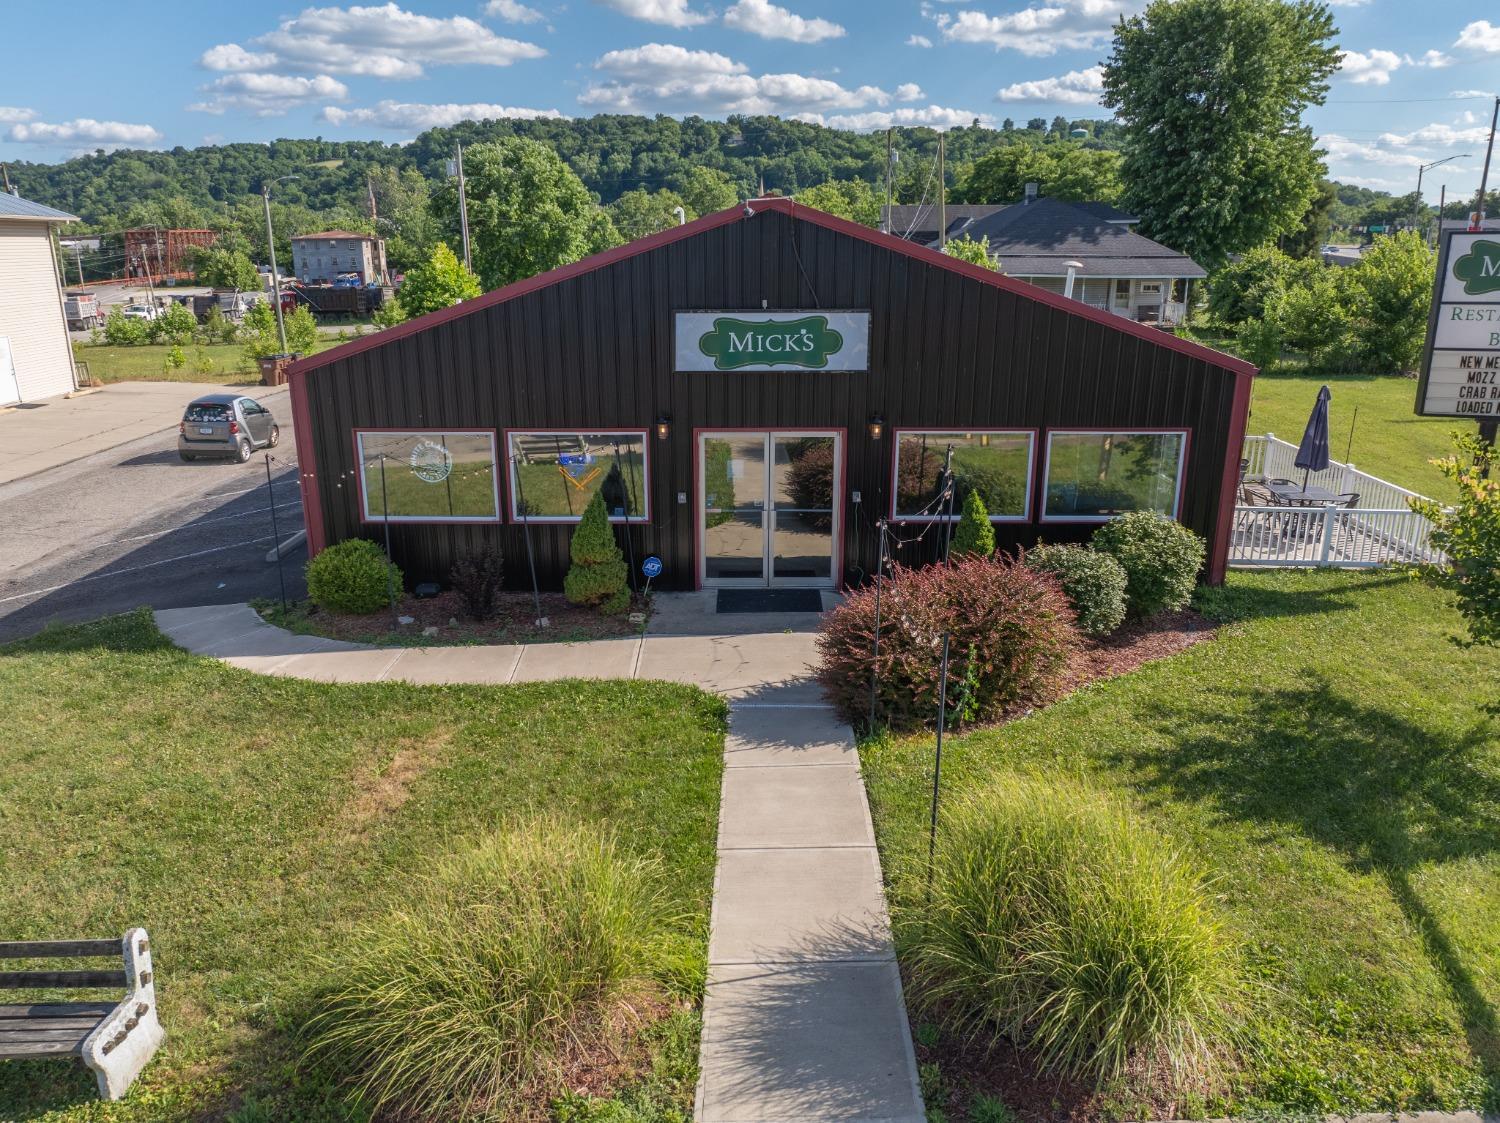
115, 1039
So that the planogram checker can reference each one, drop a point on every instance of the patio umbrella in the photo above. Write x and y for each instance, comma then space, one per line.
1312, 453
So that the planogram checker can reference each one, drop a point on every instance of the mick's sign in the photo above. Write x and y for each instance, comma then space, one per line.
1461, 363
764, 340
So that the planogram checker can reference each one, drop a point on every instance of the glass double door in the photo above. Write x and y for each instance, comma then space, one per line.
770, 508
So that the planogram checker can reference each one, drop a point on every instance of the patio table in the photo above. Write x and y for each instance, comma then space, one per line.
1295, 496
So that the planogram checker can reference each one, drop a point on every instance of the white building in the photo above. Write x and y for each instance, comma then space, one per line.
36, 360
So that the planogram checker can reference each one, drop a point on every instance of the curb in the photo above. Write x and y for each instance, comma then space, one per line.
276, 553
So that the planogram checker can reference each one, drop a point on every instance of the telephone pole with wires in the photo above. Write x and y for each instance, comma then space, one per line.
942, 199
886, 224
463, 206
1484, 176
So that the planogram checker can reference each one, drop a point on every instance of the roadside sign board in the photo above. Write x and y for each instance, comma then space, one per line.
1461, 361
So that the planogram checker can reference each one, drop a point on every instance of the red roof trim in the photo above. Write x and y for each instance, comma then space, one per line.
809, 214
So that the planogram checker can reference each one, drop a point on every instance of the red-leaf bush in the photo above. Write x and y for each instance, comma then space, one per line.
1011, 632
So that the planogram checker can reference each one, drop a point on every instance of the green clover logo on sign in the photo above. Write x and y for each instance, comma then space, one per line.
1479, 269
805, 342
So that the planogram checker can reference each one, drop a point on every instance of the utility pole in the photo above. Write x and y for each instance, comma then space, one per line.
886, 225
265, 195
78, 260
1484, 177
463, 207
942, 200
1437, 238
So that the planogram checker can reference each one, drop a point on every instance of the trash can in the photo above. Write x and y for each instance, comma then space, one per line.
273, 368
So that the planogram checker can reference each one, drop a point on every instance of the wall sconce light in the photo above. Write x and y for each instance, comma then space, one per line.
877, 427
663, 426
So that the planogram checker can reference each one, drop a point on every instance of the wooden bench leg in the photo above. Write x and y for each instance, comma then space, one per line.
125, 1040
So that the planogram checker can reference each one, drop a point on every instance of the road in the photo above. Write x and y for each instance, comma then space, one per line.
136, 526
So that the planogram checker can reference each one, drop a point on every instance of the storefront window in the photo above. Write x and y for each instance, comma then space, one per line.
996, 464
428, 475
555, 475
1095, 476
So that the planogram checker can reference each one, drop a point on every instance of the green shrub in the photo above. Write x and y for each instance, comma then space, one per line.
1161, 560
598, 575
974, 534
351, 577
1094, 582
175, 325
120, 331
1065, 924
511, 956
176, 358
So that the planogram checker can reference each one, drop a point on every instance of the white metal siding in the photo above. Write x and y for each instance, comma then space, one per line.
31, 313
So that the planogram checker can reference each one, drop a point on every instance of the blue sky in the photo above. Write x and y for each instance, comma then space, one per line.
1414, 86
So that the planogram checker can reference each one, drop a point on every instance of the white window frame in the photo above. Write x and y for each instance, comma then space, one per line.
379, 519
645, 497
1185, 434
1031, 442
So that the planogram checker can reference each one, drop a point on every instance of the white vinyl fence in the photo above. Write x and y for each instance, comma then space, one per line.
1379, 529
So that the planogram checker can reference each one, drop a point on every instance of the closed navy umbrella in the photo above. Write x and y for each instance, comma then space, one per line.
1312, 453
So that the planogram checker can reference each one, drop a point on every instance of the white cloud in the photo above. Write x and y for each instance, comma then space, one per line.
267, 95
1373, 68
86, 130
770, 21
909, 91
12, 114
415, 116
1076, 87
1434, 60
671, 13
380, 42
935, 116
660, 78
918, 41
512, 10
1437, 135
1472, 93
1481, 35
1062, 25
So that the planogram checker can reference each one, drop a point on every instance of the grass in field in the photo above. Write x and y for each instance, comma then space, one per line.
225, 363
1333, 759
249, 821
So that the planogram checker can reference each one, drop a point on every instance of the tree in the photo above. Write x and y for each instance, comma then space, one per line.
1211, 93
1060, 125
974, 534
389, 314
1037, 124
1007, 126
1469, 533
598, 575
528, 212
440, 282
975, 253
222, 268
404, 219
176, 325
638, 213
261, 339
1238, 290
1314, 225
853, 199
1389, 291
705, 190
1061, 171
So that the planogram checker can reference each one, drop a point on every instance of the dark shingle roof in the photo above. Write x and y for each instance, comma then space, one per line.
919, 221
13, 206
1038, 239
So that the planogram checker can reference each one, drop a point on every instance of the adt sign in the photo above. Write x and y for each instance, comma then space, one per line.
651, 567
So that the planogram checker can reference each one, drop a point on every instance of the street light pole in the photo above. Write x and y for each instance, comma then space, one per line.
265, 194
1422, 169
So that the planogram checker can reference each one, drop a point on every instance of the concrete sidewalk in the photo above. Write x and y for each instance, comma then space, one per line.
804, 1018
36, 436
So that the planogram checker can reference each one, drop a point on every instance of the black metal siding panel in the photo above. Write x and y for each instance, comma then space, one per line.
596, 352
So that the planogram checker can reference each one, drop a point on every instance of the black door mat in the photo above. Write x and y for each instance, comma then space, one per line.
770, 600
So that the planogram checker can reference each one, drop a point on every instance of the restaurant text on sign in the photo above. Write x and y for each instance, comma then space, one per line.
1461, 361
772, 341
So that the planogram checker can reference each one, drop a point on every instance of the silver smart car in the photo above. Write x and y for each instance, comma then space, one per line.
225, 425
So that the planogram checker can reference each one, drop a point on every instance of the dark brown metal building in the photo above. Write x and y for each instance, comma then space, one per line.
753, 391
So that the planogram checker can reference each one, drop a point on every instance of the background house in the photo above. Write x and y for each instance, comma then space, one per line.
35, 358
321, 258
1113, 267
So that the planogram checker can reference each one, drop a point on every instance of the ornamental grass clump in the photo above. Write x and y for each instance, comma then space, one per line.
598, 575
1161, 559
1061, 922
1010, 629
509, 959
354, 576
1093, 581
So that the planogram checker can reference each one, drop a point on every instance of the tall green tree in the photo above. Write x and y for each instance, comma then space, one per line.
403, 217
440, 282
1314, 226
639, 213
1211, 93
528, 212
224, 268
853, 199
975, 253
1061, 171
705, 190
1389, 293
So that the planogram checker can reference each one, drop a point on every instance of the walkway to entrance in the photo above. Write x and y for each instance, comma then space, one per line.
803, 1018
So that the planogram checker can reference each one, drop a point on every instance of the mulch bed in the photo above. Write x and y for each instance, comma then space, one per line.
1136, 643
515, 623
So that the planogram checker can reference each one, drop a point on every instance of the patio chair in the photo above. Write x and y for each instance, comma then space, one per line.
1257, 495
1349, 499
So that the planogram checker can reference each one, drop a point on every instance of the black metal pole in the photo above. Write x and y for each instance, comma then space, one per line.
875, 653
385, 516
536, 593
937, 768
948, 520
629, 541
275, 533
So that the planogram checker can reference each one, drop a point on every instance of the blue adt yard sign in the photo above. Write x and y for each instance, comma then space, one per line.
651, 567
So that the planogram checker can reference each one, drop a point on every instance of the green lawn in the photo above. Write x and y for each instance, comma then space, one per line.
223, 363
1390, 441
1330, 759
246, 820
